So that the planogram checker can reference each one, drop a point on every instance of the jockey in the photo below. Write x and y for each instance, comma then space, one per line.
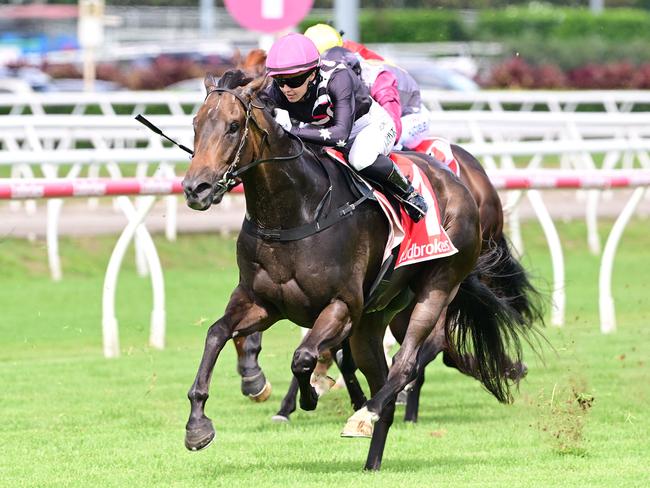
393, 87
334, 108
326, 37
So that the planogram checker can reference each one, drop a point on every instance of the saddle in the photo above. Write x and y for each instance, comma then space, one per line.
408, 242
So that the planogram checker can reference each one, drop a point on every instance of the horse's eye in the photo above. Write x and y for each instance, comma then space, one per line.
234, 127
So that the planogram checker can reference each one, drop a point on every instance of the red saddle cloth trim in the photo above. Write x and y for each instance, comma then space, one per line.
426, 239
421, 241
440, 149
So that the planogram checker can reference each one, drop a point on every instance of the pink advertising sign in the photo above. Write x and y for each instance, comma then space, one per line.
268, 15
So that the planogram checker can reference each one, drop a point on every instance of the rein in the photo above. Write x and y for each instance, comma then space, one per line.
280, 235
229, 178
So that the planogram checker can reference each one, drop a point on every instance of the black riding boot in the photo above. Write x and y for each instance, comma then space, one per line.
384, 172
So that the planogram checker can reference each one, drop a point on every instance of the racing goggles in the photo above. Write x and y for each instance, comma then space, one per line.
292, 81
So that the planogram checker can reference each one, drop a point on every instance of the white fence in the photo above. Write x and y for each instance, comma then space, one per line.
523, 180
500, 129
551, 100
49, 140
179, 103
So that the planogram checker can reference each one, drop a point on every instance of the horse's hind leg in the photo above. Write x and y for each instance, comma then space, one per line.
430, 304
433, 345
243, 315
288, 404
331, 327
368, 352
253, 382
345, 363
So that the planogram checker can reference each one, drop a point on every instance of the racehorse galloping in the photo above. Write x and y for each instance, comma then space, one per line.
503, 274
319, 279
507, 279
498, 269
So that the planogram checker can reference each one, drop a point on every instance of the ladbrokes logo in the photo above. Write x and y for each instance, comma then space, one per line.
419, 251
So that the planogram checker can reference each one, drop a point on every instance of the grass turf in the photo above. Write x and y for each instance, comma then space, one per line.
72, 418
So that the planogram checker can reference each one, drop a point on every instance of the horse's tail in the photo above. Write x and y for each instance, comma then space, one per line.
484, 321
509, 280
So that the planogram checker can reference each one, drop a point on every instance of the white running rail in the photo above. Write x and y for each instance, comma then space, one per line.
179, 103
522, 179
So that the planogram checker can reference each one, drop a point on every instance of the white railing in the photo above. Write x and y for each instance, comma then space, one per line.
50, 141
179, 103
577, 139
522, 180
550, 100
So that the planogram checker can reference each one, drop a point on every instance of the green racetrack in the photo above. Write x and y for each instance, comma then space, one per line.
69, 417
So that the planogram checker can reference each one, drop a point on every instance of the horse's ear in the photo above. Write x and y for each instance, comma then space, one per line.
237, 57
210, 82
254, 86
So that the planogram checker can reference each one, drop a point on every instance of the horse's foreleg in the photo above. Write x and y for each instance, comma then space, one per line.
331, 327
253, 382
242, 315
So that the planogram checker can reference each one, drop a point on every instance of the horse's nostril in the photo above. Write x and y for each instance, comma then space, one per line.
198, 191
202, 188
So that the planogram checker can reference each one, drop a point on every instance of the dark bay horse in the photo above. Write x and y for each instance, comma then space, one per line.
318, 276
506, 277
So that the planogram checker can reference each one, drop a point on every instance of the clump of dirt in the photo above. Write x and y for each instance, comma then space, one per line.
564, 416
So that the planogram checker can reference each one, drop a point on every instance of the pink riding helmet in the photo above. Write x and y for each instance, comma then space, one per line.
293, 53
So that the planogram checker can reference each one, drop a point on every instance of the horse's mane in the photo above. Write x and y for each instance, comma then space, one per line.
234, 78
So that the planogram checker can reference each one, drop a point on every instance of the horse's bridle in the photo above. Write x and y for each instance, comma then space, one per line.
229, 178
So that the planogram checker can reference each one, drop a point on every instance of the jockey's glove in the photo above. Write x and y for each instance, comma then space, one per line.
282, 118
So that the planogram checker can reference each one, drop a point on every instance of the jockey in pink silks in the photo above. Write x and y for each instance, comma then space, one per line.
331, 106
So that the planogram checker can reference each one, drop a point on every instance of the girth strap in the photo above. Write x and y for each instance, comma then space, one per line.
302, 231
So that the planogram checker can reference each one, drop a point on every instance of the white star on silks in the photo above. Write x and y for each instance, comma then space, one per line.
341, 143
325, 134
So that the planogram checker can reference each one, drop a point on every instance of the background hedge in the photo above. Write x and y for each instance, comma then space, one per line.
391, 25
562, 23
539, 21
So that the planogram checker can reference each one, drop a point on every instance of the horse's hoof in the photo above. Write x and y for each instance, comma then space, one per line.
199, 437
360, 424
255, 387
280, 419
322, 383
263, 395
402, 398
340, 383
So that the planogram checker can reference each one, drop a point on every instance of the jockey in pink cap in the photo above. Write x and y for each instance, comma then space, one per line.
334, 108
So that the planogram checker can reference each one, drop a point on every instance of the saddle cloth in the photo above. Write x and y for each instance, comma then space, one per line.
440, 149
418, 241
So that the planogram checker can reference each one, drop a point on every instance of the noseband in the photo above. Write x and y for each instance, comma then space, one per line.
229, 178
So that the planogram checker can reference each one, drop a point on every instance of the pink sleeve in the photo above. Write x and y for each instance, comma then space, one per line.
384, 91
